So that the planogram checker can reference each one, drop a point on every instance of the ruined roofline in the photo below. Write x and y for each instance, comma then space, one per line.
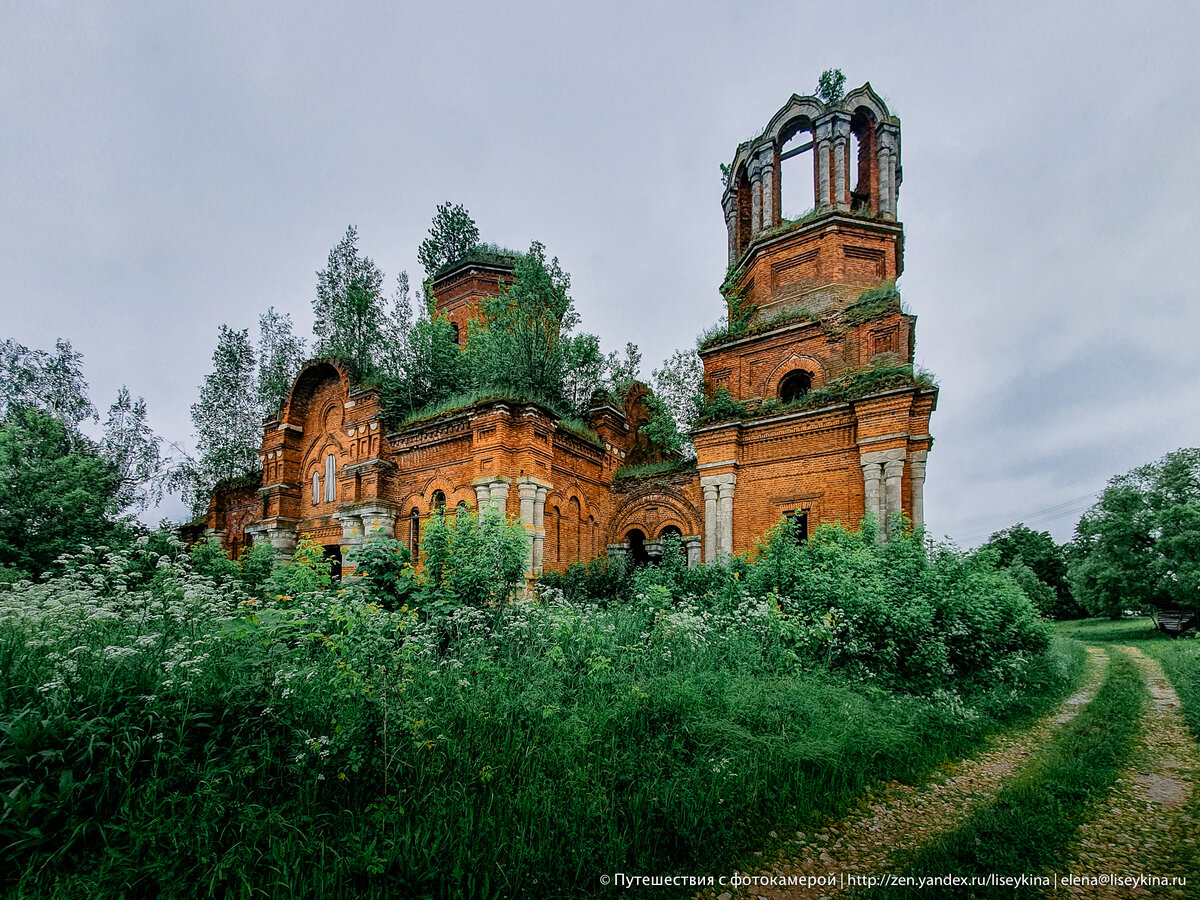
805, 106
485, 257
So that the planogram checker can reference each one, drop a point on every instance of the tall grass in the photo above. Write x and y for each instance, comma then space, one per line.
167, 733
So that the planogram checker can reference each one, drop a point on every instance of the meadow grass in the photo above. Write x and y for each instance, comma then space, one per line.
1029, 825
164, 733
1180, 657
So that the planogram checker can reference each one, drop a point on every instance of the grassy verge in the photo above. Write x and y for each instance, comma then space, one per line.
1028, 827
1180, 657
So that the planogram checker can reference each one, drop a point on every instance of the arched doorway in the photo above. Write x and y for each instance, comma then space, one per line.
635, 540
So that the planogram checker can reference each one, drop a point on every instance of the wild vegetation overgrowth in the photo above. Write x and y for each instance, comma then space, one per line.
178, 724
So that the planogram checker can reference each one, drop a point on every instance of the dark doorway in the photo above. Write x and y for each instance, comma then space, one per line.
334, 555
636, 542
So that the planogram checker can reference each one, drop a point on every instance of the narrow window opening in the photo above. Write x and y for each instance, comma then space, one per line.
414, 534
316, 495
438, 503
330, 479
798, 519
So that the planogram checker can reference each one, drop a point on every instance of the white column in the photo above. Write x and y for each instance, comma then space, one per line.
483, 494
755, 197
872, 487
539, 526
893, 477
916, 468
766, 158
841, 149
710, 519
692, 544
498, 496
725, 516
527, 491
731, 225
821, 152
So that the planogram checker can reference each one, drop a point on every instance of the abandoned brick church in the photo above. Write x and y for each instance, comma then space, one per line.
831, 422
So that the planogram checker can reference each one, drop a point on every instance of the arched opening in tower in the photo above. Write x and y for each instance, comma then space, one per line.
797, 179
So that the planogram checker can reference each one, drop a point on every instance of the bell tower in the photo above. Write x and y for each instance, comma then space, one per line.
847, 239
829, 421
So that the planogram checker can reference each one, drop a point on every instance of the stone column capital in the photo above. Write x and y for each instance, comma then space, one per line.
754, 169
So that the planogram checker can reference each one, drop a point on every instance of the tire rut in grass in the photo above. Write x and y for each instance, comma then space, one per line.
1149, 823
901, 818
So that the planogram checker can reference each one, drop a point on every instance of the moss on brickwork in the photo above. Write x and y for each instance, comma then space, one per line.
854, 386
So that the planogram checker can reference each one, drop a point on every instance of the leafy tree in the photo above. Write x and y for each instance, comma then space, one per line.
471, 559
350, 321
57, 491
1019, 546
135, 452
50, 382
435, 369
585, 370
280, 355
1139, 546
831, 85
226, 419
679, 398
451, 235
385, 566
520, 346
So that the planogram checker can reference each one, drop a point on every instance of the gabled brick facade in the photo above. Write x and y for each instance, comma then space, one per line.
832, 428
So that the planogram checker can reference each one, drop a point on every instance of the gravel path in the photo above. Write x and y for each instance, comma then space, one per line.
1153, 806
900, 817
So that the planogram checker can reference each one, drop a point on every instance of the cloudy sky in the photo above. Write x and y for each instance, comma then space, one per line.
166, 168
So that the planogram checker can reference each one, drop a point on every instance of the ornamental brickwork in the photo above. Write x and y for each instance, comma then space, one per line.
831, 426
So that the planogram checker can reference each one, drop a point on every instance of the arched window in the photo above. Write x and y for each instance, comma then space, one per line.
316, 488
795, 385
330, 479
414, 534
797, 178
671, 531
455, 334
438, 504
462, 508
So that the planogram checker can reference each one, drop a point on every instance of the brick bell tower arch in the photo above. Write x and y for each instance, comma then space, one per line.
837, 421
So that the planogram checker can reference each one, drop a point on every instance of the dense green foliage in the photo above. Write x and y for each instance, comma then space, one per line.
831, 85
227, 418
179, 720
1028, 826
452, 236
280, 355
57, 491
1139, 546
1040, 566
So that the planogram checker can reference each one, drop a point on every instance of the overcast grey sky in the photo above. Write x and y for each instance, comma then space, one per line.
164, 169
